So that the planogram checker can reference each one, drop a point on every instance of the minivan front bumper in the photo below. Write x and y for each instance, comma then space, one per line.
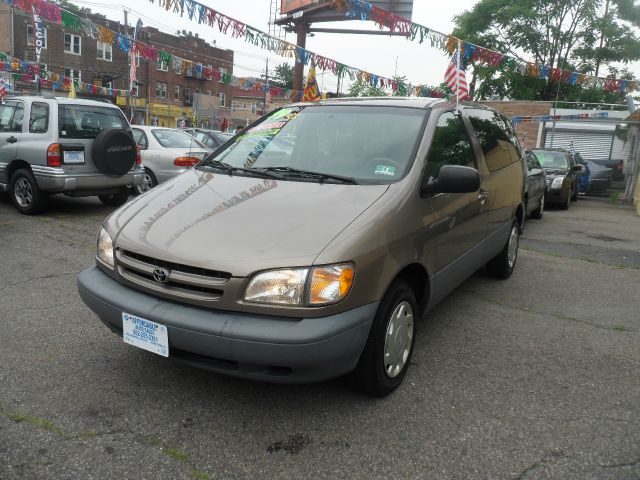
267, 348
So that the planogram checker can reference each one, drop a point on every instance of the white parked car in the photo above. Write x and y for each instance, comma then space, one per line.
166, 153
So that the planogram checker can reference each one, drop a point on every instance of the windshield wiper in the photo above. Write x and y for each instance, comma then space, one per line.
225, 167
321, 177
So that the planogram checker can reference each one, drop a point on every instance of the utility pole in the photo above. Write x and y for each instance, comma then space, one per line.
606, 14
266, 93
301, 29
127, 76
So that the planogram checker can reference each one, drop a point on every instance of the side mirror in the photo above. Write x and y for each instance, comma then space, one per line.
536, 171
452, 179
577, 168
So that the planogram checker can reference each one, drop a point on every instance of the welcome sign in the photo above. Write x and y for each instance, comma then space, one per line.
38, 33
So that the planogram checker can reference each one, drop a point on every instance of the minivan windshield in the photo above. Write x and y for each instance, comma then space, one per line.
362, 144
552, 160
87, 121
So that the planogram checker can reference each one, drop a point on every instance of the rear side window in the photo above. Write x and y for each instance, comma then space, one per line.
87, 121
450, 145
39, 118
140, 138
496, 138
11, 115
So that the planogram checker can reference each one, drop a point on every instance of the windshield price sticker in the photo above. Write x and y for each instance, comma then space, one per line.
385, 170
145, 334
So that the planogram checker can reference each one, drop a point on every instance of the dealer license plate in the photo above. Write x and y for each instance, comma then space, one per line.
145, 334
73, 156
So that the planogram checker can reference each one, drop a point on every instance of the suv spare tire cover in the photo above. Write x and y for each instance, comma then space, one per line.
114, 151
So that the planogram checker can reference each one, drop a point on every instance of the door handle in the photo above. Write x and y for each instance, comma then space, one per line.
482, 196
12, 139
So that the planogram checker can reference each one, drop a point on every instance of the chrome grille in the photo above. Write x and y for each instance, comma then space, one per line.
184, 281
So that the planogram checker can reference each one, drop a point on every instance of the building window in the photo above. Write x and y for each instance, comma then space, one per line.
136, 89
222, 99
75, 74
162, 66
105, 51
209, 92
187, 95
176, 92
198, 91
161, 89
234, 105
31, 41
72, 44
223, 70
177, 67
138, 57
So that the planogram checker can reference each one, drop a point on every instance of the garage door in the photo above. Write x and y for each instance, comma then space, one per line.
591, 145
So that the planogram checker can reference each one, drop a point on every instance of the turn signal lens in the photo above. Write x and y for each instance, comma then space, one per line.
54, 155
330, 284
186, 161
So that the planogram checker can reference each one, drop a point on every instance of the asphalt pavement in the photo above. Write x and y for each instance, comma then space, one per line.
534, 377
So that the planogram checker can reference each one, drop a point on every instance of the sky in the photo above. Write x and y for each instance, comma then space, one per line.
381, 55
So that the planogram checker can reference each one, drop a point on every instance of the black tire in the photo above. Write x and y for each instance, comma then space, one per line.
148, 182
567, 203
501, 266
574, 195
116, 199
371, 372
25, 193
538, 212
114, 152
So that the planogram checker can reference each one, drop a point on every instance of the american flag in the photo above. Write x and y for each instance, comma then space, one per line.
456, 78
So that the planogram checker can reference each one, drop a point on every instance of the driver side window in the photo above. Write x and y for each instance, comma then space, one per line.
450, 145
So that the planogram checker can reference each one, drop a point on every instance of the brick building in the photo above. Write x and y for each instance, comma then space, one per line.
164, 95
69, 53
167, 92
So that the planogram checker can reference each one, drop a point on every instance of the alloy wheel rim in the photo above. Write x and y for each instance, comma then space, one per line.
147, 183
23, 192
512, 252
398, 339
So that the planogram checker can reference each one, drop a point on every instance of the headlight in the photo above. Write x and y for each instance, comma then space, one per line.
301, 286
557, 182
105, 248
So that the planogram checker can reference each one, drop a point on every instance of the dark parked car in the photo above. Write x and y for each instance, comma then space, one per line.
563, 175
307, 259
616, 166
535, 186
601, 176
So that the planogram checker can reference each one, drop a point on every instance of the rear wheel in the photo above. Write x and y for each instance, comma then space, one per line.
148, 182
387, 354
28, 198
115, 199
538, 212
502, 265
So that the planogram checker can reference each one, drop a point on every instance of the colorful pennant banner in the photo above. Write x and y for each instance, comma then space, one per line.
474, 53
549, 118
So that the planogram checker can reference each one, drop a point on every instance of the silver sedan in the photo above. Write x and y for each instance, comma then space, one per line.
166, 153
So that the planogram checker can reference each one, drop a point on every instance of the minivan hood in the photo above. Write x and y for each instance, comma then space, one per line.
239, 224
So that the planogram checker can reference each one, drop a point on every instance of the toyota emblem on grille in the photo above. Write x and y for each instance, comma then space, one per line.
161, 275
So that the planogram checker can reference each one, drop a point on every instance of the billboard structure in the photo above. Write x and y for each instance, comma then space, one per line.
316, 8
300, 15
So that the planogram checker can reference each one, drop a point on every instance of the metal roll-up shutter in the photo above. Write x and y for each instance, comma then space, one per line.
591, 145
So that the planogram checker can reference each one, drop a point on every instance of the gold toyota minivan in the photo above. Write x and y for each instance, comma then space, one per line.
309, 245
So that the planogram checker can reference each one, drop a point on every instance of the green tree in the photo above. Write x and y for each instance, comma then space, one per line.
365, 89
283, 76
576, 35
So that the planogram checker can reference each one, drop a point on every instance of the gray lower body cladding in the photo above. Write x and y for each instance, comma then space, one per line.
273, 349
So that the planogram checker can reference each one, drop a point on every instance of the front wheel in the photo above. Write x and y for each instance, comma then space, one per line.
567, 203
148, 182
25, 193
115, 199
387, 354
502, 265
